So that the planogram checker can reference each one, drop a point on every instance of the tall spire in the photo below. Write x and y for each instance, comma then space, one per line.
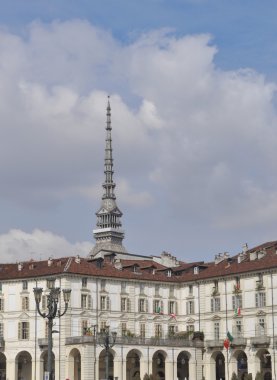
108, 234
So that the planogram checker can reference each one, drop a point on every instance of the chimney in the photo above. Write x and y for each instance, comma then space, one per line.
50, 261
77, 259
20, 266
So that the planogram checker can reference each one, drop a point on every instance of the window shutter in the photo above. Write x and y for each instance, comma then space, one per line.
168, 307
27, 330
162, 306
176, 308
146, 305
43, 302
212, 304
154, 311
89, 302
187, 308
128, 304
19, 330
139, 305
192, 307
233, 302
108, 303
257, 299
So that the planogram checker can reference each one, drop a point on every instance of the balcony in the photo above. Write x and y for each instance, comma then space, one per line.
216, 343
239, 341
43, 342
260, 341
136, 341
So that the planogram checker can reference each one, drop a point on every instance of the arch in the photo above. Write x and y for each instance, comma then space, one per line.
23, 365
74, 363
158, 365
242, 364
44, 359
265, 363
183, 365
106, 358
3, 365
133, 365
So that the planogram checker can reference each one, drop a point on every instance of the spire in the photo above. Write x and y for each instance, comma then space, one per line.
108, 234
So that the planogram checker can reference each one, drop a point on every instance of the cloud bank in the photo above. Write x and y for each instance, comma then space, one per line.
198, 139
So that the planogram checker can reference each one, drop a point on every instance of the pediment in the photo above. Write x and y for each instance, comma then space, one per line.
216, 318
158, 318
190, 320
24, 316
260, 313
85, 313
141, 318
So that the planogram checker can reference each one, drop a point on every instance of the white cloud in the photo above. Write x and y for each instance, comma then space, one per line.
17, 245
182, 128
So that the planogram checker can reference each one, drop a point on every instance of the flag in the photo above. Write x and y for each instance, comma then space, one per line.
226, 343
230, 337
173, 315
237, 311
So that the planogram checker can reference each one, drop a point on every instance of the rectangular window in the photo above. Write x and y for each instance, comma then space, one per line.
260, 299
50, 283
123, 329
215, 304
261, 327
171, 307
24, 285
190, 307
142, 330
105, 303
238, 329
25, 303
84, 282
84, 327
1, 286
191, 290
142, 305
237, 301
123, 287
86, 301
1, 330
125, 304
103, 326
1, 304
103, 284
171, 330
158, 306
141, 288
216, 330
157, 290
158, 331
23, 330
171, 291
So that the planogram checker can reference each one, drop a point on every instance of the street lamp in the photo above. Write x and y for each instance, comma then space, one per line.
107, 340
53, 311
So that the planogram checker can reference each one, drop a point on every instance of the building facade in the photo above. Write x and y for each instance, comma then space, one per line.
175, 320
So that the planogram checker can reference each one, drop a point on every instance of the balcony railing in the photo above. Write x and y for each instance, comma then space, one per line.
171, 342
214, 343
43, 342
239, 340
260, 340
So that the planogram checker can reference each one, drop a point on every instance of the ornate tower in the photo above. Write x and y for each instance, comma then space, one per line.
108, 234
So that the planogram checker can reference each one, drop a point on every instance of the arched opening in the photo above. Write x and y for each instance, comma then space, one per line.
103, 362
3, 362
133, 365
23, 363
242, 365
220, 366
44, 357
158, 365
265, 364
74, 361
183, 366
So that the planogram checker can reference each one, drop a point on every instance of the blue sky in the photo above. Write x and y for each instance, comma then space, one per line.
193, 94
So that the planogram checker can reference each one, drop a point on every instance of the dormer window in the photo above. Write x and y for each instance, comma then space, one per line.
196, 270
135, 268
169, 273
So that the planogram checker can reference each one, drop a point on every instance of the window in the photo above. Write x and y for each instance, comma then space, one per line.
44, 301
172, 307
50, 283
260, 299
1, 330
85, 301
1, 304
123, 287
84, 282
123, 329
215, 304
190, 290
238, 329
169, 273
158, 331
24, 285
1, 285
171, 291
103, 326
172, 329
23, 330
143, 305
84, 327
25, 303
190, 307
216, 331
157, 290
196, 270
105, 303
141, 288
142, 330
103, 284
261, 327
190, 328
216, 285
237, 301
158, 306
125, 304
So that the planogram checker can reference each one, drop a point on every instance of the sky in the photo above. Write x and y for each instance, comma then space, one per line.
192, 86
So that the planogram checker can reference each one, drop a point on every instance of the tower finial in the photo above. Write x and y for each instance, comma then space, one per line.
108, 234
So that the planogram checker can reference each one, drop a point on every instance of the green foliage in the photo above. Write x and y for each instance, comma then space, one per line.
234, 376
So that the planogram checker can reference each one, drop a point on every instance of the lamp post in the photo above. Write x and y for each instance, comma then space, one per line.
53, 311
107, 340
